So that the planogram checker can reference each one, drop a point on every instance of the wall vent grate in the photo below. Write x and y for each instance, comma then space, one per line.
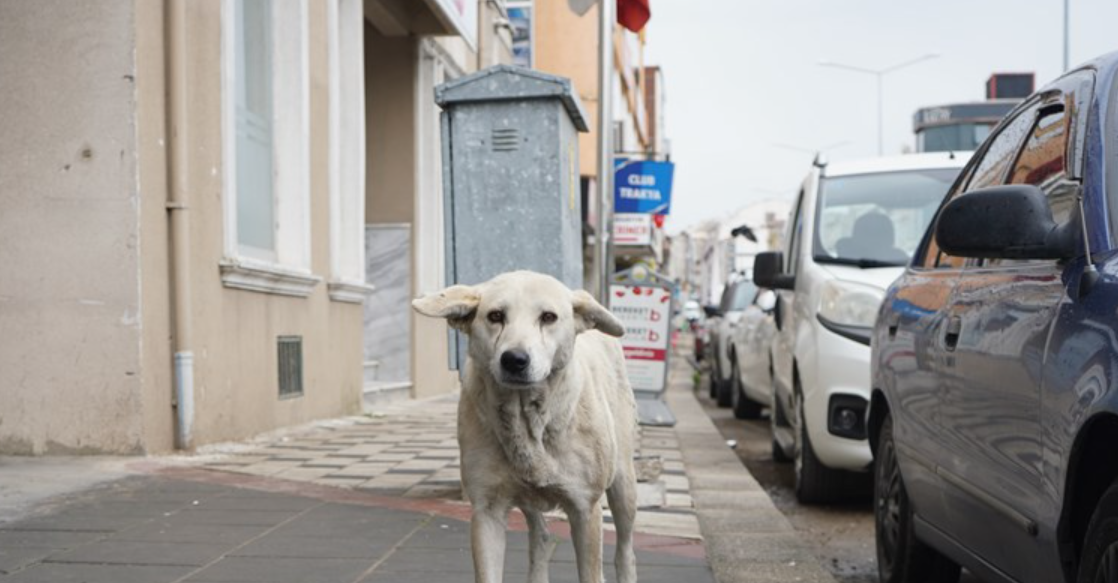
290, 352
505, 139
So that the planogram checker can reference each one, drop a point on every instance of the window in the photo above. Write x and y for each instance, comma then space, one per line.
991, 171
862, 221
266, 148
256, 223
1042, 163
345, 29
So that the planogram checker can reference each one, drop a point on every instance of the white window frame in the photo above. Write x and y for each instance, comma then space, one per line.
345, 30
288, 270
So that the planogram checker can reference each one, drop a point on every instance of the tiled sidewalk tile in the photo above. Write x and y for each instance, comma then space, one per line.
87, 573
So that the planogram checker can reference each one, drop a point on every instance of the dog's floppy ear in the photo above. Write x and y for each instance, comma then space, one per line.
589, 314
457, 303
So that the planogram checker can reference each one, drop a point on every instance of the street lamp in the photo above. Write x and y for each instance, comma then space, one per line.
879, 73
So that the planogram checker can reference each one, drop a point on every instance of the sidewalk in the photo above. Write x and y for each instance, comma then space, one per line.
377, 499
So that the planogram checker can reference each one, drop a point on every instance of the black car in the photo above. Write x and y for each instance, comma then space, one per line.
994, 414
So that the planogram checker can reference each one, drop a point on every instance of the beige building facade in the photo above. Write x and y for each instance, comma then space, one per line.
187, 192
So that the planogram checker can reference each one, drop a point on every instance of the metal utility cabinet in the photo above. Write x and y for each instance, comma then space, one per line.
511, 175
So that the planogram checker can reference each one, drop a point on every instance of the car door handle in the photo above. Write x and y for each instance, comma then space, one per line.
951, 334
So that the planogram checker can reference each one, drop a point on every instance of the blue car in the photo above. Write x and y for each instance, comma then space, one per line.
994, 410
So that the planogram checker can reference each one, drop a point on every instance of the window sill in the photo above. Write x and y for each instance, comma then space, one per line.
268, 278
348, 291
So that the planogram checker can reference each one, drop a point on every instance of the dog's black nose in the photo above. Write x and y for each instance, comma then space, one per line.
514, 361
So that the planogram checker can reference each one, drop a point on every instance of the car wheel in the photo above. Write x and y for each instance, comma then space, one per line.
715, 374
1099, 561
901, 557
725, 394
744, 408
815, 482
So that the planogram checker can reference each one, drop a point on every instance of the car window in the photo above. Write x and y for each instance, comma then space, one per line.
877, 218
744, 292
1042, 163
991, 171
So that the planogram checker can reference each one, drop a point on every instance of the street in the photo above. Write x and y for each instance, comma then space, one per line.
841, 535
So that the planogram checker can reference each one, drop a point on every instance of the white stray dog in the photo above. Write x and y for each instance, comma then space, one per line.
546, 419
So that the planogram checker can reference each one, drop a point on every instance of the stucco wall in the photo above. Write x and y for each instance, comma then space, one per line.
70, 309
567, 45
236, 378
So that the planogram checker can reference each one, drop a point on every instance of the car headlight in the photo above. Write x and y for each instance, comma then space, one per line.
850, 304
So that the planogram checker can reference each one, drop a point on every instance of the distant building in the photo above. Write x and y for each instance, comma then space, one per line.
964, 126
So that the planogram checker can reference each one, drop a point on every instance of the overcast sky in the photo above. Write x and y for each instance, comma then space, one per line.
743, 75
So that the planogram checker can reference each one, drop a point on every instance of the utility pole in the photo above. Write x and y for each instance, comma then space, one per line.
1067, 33
605, 150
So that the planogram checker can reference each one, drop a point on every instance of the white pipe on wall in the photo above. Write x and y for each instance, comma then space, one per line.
179, 220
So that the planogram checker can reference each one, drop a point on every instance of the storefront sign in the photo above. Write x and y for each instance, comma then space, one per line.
643, 186
645, 312
632, 229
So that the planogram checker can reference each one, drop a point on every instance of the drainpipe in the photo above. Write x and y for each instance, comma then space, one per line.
179, 220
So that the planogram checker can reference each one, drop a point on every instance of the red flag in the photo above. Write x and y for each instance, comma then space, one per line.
658, 220
633, 14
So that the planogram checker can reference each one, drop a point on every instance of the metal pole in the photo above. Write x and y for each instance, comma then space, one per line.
880, 117
605, 151
1067, 32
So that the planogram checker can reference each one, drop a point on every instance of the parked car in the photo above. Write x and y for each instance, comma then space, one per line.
692, 312
720, 325
994, 418
751, 357
853, 228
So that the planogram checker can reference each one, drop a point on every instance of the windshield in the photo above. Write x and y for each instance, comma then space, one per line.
875, 220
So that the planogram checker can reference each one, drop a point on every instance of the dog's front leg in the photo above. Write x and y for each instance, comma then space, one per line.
539, 546
487, 540
586, 533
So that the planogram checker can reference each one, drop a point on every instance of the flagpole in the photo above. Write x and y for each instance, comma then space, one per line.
605, 152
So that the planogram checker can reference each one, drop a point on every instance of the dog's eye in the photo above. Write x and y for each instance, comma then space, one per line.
496, 317
548, 317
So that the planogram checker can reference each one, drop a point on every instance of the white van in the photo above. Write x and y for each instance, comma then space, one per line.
852, 230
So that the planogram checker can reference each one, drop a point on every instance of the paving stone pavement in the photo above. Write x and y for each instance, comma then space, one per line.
183, 527
410, 449
376, 498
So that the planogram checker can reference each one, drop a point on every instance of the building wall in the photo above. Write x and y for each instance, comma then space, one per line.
567, 45
390, 66
155, 289
70, 306
236, 376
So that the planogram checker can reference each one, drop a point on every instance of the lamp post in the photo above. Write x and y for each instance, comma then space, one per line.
879, 74
1067, 32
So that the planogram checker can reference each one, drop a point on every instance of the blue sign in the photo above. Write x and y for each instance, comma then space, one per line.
642, 186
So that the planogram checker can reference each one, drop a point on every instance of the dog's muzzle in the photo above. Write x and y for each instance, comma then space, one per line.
515, 362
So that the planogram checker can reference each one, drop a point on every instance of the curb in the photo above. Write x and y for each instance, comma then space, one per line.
747, 539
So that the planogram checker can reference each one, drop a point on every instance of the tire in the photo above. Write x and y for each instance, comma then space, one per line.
1099, 561
715, 374
778, 453
901, 557
815, 482
725, 395
744, 408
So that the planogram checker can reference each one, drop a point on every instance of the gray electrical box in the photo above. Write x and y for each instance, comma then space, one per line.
511, 175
